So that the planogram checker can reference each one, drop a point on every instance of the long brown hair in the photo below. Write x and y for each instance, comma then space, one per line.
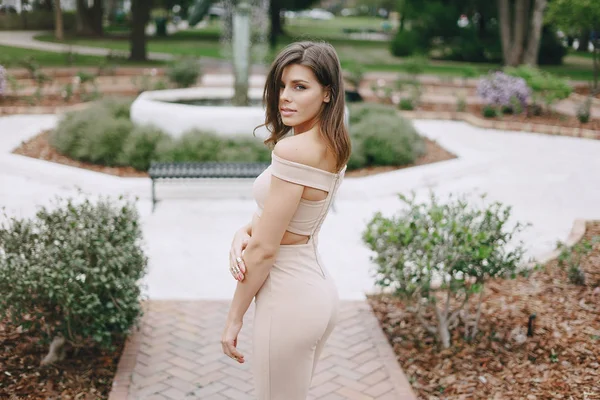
322, 59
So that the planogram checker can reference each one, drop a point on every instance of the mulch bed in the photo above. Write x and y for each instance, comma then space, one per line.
554, 119
560, 361
86, 375
39, 147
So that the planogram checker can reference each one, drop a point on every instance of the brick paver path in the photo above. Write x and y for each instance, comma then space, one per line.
177, 355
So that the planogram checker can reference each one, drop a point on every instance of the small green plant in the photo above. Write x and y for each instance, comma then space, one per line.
461, 103
553, 356
185, 73
73, 272
406, 104
489, 111
584, 110
67, 92
437, 256
547, 88
573, 257
3, 80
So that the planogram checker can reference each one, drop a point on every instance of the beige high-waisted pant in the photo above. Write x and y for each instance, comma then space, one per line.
296, 311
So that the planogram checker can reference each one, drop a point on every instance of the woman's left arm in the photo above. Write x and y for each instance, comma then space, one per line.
280, 205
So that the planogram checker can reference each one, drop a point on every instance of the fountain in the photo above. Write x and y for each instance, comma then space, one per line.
174, 111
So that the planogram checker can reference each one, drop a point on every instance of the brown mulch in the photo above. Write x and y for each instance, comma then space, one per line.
39, 147
545, 119
86, 375
585, 91
560, 361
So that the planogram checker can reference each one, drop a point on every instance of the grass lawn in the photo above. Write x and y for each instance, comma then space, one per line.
12, 57
372, 55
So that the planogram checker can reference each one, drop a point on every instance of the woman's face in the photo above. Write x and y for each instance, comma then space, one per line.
301, 97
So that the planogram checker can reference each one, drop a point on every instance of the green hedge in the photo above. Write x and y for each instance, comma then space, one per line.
35, 20
103, 134
382, 137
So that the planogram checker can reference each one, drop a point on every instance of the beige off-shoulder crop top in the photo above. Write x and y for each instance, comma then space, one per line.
310, 214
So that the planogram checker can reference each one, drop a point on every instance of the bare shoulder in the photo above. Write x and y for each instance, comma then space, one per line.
299, 149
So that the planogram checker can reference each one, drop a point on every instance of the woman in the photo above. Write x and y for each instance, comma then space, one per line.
275, 258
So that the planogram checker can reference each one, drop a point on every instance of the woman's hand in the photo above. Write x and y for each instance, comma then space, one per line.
240, 241
229, 340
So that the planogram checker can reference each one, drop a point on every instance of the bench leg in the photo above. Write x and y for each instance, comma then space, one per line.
153, 196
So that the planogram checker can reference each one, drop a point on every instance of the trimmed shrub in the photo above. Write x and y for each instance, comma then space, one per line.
245, 149
386, 140
405, 43
73, 272
360, 111
92, 135
437, 256
117, 107
103, 134
184, 73
142, 147
546, 88
3, 79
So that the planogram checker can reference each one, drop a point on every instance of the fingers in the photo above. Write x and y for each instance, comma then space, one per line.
230, 350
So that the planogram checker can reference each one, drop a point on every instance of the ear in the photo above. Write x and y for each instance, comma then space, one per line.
327, 97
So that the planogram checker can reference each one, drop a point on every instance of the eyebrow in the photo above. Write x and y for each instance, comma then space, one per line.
298, 81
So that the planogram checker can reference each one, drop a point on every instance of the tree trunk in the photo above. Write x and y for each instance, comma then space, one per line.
59, 31
56, 351
96, 16
520, 19
112, 10
89, 20
584, 41
276, 30
535, 33
140, 14
505, 29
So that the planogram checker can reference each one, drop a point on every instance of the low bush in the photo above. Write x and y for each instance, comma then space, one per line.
547, 88
184, 73
103, 134
3, 80
437, 256
380, 139
359, 111
142, 147
502, 90
92, 135
73, 272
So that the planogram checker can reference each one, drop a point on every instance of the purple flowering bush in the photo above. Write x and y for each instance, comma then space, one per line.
502, 90
2, 80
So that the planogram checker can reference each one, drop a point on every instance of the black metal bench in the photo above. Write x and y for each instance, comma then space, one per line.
200, 170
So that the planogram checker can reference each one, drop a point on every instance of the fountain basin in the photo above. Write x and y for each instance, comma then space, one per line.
161, 109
